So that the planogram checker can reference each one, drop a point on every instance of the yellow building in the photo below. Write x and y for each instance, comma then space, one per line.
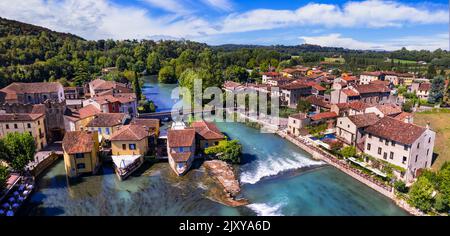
81, 153
23, 123
106, 124
207, 134
77, 120
129, 146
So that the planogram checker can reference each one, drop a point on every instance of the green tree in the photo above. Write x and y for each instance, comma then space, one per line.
420, 194
121, 63
229, 151
167, 75
137, 86
303, 106
348, 151
400, 186
236, 73
4, 175
407, 106
153, 63
437, 90
20, 149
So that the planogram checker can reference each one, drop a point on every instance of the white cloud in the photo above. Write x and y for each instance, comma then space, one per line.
431, 42
225, 5
370, 13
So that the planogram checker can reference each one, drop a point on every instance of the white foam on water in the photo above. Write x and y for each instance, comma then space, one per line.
263, 209
275, 165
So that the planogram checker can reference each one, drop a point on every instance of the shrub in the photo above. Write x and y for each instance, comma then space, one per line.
420, 194
400, 186
349, 151
229, 151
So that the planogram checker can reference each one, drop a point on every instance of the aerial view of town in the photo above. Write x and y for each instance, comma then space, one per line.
224, 108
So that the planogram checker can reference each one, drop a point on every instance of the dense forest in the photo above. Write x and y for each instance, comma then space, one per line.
30, 54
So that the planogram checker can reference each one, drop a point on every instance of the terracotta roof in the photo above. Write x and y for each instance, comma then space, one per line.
181, 137
372, 88
20, 117
181, 156
389, 109
106, 85
149, 123
404, 115
299, 116
317, 86
318, 101
231, 84
130, 133
350, 92
88, 111
295, 85
105, 99
424, 87
78, 142
125, 97
207, 130
385, 82
38, 109
271, 74
364, 120
42, 87
374, 73
350, 78
355, 105
323, 115
107, 120
396, 130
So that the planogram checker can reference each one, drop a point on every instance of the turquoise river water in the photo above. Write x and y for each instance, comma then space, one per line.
277, 178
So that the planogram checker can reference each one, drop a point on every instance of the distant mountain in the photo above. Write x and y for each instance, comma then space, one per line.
12, 27
290, 49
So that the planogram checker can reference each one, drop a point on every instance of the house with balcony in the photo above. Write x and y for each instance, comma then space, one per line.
80, 153
181, 149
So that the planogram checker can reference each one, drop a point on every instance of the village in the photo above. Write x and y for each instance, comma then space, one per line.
355, 123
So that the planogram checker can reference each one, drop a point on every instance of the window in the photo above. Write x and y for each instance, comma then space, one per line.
393, 143
39, 122
7, 126
340, 122
404, 160
429, 140
29, 126
132, 146
124, 147
418, 145
99, 130
81, 166
381, 140
428, 151
417, 157
108, 132
368, 146
15, 126
405, 147
387, 143
391, 155
370, 135
79, 155
385, 155
180, 149
379, 150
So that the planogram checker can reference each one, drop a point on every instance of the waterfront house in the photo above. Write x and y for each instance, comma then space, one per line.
207, 134
98, 85
402, 144
32, 123
75, 120
291, 93
106, 124
328, 117
153, 128
297, 122
32, 93
350, 129
81, 153
367, 77
129, 145
181, 149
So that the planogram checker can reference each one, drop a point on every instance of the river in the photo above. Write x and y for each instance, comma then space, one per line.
277, 178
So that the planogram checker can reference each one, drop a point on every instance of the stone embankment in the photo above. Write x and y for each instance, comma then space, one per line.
223, 173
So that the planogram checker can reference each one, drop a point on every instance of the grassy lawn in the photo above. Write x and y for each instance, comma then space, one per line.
404, 61
440, 123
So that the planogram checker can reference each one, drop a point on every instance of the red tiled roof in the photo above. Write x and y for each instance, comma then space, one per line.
396, 130
424, 87
78, 142
207, 130
364, 120
181, 137
181, 156
107, 120
42, 87
149, 123
389, 109
20, 117
350, 92
271, 74
402, 116
130, 132
323, 115
295, 85
88, 111
318, 101
372, 88
299, 116
231, 84
317, 86
374, 73
381, 82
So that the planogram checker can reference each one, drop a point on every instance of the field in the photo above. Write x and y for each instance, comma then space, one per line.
339, 60
404, 61
440, 123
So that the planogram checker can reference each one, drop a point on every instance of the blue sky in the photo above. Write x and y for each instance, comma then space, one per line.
357, 24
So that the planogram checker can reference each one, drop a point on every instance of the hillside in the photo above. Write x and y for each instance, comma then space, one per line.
12, 27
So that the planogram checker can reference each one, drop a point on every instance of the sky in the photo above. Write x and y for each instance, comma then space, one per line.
357, 24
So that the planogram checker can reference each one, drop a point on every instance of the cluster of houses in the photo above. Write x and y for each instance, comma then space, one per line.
362, 111
98, 122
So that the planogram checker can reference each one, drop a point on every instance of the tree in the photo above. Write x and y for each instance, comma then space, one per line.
303, 106
431, 71
167, 75
400, 186
420, 194
407, 106
20, 149
437, 90
121, 63
3, 151
153, 63
229, 151
4, 175
348, 151
236, 73
137, 87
